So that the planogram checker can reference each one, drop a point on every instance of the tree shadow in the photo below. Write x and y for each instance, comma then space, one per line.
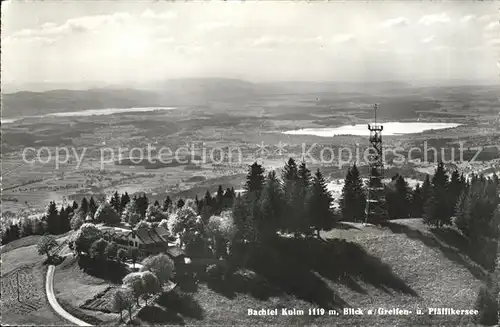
181, 303
344, 226
292, 276
344, 262
112, 271
440, 240
54, 260
188, 285
245, 282
160, 316
462, 244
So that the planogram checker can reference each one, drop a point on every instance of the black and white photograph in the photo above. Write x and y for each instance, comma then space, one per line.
248, 163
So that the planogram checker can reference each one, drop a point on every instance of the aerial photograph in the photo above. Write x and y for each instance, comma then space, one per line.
247, 163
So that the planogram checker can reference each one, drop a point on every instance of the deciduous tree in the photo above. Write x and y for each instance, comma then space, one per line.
160, 265
131, 213
46, 244
85, 236
111, 251
98, 249
134, 282
150, 285
123, 299
107, 214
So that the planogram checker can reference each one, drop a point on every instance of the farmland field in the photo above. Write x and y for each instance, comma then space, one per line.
95, 143
33, 307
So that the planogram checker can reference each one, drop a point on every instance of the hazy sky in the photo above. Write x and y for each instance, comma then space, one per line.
121, 41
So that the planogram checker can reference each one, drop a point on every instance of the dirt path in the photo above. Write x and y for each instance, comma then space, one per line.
49, 288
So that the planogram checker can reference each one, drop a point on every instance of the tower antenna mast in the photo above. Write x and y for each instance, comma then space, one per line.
375, 210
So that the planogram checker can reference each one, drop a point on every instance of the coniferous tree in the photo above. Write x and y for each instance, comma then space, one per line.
84, 206
156, 203
208, 202
304, 175
271, 207
180, 203
475, 209
228, 198
347, 199
74, 206
115, 202
65, 219
319, 201
426, 188
454, 191
255, 179
417, 203
197, 202
352, 202
142, 204
430, 216
398, 198
359, 192
124, 200
167, 204
12, 233
403, 191
219, 197
92, 207
293, 196
436, 211
304, 188
52, 219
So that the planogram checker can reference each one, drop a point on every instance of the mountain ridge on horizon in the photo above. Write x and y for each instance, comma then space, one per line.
10, 88
183, 92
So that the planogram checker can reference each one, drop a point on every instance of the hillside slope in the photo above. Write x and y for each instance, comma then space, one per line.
404, 266
431, 266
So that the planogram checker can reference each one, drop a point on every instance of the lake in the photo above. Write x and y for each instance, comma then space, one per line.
390, 128
91, 112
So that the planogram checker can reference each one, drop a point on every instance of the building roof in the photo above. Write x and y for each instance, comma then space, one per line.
155, 237
175, 251
161, 232
146, 235
143, 235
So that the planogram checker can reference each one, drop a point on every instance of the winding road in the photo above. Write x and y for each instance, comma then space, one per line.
49, 289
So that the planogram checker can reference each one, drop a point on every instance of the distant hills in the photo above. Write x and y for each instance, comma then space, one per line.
167, 93
27, 103
177, 92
